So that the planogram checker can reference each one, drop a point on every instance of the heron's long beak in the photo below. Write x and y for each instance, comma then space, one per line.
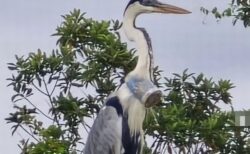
166, 8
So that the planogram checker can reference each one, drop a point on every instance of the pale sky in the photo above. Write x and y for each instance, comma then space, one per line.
193, 41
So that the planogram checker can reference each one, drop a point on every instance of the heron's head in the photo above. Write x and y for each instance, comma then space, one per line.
153, 6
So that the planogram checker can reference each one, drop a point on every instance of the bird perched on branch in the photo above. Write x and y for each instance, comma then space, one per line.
118, 126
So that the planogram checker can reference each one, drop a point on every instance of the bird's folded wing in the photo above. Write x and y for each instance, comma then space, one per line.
105, 133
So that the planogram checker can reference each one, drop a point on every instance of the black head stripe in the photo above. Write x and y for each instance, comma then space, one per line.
115, 102
131, 2
143, 2
149, 2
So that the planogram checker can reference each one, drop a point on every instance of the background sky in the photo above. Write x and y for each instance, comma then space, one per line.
193, 41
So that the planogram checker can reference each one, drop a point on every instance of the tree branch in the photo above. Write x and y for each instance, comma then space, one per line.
55, 84
39, 89
29, 133
38, 108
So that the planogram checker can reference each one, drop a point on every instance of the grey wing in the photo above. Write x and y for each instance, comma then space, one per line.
105, 134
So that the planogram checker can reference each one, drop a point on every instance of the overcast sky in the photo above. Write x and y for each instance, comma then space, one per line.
193, 41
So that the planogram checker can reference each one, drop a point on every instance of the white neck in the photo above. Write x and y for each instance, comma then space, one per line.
143, 67
133, 107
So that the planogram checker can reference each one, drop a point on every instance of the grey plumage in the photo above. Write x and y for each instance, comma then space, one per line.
105, 133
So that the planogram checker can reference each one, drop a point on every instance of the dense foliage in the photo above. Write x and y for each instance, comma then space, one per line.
56, 95
238, 9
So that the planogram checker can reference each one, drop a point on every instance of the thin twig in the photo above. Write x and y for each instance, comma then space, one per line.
55, 84
51, 102
29, 133
84, 126
38, 109
153, 144
50, 99
39, 89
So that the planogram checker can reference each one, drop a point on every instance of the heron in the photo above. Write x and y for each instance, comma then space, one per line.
117, 128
